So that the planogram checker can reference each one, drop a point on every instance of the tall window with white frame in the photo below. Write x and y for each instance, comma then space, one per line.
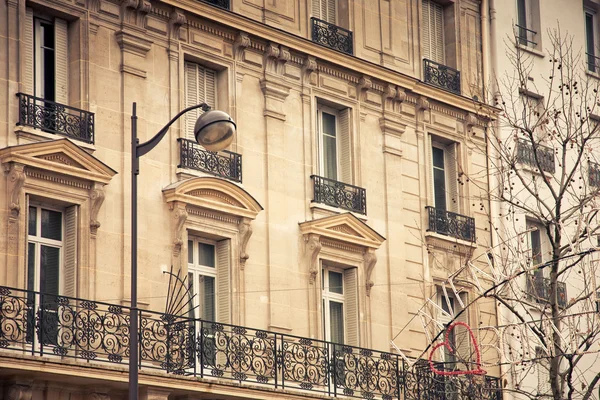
45, 59
539, 249
458, 338
333, 305
334, 144
591, 33
528, 23
202, 275
444, 176
433, 31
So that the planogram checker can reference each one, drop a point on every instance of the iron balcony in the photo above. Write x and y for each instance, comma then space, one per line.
225, 164
332, 36
72, 329
451, 224
542, 158
338, 194
538, 289
442, 76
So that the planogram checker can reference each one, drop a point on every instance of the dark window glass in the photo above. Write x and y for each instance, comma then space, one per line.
589, 38
206, 253
208, 301
536, 247
47, 37
522, 21
336, 282
32, 221
190, 251
30, 266
51, 224
439, 178
49, 265
336, 318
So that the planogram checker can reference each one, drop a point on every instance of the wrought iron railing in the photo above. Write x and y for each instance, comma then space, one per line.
593, 62
526, 36
538, 288
594, 174
226, 164
451, 224
56, 118
44, 325
332, 36
339, 194
219, 3
527, 155
441, 75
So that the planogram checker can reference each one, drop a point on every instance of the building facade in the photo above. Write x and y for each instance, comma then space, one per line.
295, 264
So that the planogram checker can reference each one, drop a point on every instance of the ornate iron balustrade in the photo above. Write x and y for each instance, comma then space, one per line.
594, 174
441, 76
339, 194
219, 3
538, 288
49, 325
332, 36
226, 164
526, 155
593, 62
451, 224
526, 36
56, 118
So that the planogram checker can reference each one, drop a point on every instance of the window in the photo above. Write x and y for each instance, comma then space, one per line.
208, 279
591, 33
458, 337
433, 31
334, 144
47, 54
538, 243
51, 263
444, 176
200, 87
543, 373
340, 311
528, 23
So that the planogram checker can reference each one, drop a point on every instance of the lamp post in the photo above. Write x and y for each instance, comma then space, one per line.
214, 130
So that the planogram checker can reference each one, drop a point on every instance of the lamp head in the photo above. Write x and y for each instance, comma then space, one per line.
214, 130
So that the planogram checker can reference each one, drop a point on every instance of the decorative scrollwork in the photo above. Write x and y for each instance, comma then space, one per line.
56, 118
451, 224
332, 36
441, 75
339, 194
226, 164
544, 155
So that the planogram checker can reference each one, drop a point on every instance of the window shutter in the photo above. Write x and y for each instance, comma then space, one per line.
462, 337
437, 33
223, 278
62, 61
316, 8
191, 98
345, 149
351, 305
70, 252
27, 47
452, 178
331, 11
430, 164
426, 29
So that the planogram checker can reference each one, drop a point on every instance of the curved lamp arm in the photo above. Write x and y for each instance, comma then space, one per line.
145, 147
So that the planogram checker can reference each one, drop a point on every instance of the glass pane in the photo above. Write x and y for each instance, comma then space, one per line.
206, 254
32, 221
49, 267
450, 356
51, 224
329, 157
439, 188
336, 318
336, 284
536, 247
190, 252
208, 303
445, 305
191, 311
438, 157
30, 266
329, 124
47, 31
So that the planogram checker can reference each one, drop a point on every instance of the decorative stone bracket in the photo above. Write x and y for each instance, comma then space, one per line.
245, 231
313, 247
96, 199
16, 179
180, 215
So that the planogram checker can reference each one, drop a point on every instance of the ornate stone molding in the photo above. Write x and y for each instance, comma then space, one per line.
401, 95
423, 103
245, 231
96, 199
392, 130
180, 216
275, 91
176, 21
133, 44
313, 247
19, 392
364, 85
271, 56
16, 179
310, 66
471, 120
242, 41
370, 260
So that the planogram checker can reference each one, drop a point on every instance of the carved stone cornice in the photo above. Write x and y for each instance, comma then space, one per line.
370, 259
16, 179
180, 216
401, 95
96, 199
313, 247
242, 41
423, 103
176, 21
275, 58
245, 231
310, 66
19, 392
364, 85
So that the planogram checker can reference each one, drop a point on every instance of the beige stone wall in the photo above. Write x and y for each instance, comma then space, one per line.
270, 82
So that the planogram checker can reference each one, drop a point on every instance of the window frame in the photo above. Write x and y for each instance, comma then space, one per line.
428, 51
39, 73
197, 270
328, 297
544, 243
40, 241
331, 111
591, 55
443, 148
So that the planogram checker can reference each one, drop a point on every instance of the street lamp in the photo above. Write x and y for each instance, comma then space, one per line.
214, 130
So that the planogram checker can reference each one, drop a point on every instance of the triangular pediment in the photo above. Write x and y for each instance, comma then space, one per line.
59, 156
345, 228
214, 194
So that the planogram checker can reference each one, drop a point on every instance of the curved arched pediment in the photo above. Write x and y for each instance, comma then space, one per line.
213, 194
